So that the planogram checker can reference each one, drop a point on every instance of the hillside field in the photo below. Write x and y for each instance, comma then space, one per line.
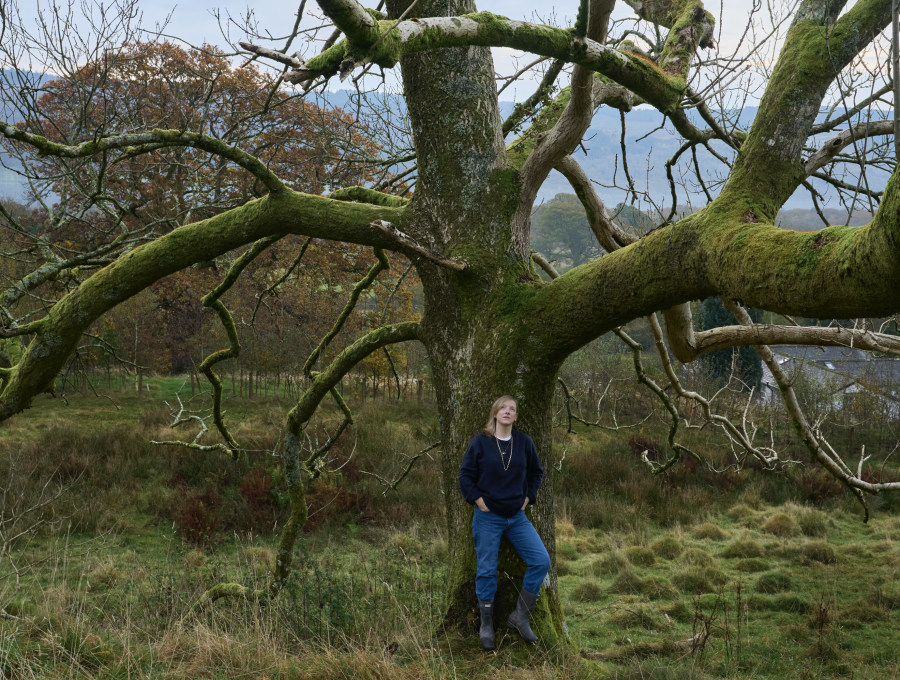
693, 575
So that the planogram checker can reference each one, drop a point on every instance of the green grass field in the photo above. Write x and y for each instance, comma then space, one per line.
692, 576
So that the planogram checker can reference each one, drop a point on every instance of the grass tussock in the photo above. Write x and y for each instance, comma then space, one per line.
773, 582
693, 582
667, 548
743, 548
588, 592
818, 551
813, 522
752, 565
640, 556
781, 525
709, 531
638, 617
610, 564
696, 557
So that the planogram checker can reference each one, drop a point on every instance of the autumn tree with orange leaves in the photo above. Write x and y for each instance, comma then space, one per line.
83, 210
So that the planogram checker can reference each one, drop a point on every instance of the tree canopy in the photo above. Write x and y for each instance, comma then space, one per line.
562, 231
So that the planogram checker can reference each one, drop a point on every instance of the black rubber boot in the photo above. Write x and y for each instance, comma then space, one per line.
486, 634
519, 618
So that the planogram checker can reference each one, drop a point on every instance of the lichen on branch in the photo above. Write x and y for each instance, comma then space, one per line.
639, 75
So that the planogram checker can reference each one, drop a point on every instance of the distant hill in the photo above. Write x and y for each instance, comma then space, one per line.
648, 148
809, 220
799, 219
11, 185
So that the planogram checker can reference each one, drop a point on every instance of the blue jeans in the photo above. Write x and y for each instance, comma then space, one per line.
488, 529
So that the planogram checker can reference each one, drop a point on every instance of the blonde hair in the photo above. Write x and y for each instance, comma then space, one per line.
489, 429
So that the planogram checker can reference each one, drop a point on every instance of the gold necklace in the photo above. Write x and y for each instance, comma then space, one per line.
506, 462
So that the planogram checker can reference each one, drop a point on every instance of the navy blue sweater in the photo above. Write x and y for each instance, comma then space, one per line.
481, 474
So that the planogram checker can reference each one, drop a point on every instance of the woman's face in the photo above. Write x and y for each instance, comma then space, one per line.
508, 413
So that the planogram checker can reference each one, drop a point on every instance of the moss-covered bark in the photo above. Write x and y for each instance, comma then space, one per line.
485, 29
467, 196
769, 167
296, 470
365, 195
690, 26
843, 272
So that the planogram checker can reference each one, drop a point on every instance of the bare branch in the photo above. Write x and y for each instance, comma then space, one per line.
687, 344
544, 264
608, 233
149, 141
837, 144
392, 485
274, 55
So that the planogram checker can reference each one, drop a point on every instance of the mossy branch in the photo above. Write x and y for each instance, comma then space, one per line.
382, 264
556, 130
353, 19
838, 272
295, 476
234, 349
543, 91
236, 269
769, 168
149, 141
365, 195
71, 316
485, 29
311, 463
298, 473
206, 368
26, 329
221, 591
344, 362
690, 26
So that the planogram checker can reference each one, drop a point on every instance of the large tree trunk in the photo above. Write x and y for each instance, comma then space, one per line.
467, 384
465, 206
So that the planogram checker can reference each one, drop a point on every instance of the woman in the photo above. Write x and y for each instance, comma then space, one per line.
500, 474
